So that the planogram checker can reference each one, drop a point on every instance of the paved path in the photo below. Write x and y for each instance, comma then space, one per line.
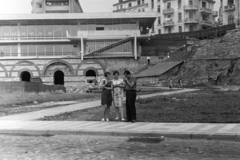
69, 108
170, 130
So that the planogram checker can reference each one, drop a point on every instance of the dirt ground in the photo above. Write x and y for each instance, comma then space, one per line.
198, 107
79, 147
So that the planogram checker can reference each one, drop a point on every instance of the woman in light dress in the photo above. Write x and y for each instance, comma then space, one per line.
118, 85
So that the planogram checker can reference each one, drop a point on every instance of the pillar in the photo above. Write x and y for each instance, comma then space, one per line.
19, 49
82, 47
135, 45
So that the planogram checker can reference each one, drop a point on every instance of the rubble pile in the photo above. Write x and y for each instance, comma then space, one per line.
216, 62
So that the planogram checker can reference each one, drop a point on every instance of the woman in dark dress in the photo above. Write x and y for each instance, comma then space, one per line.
107, 89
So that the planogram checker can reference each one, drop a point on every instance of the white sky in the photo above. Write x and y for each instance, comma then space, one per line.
24, 6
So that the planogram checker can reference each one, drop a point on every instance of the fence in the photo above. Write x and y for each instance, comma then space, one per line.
29, 87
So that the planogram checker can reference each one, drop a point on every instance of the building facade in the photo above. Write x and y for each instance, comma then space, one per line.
174, 15
56, 6
70, 48
230, 12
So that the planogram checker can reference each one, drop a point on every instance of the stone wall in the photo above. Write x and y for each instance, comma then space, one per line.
73, 68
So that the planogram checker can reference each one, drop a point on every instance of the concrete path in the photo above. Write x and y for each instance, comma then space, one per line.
69, 108
169, 130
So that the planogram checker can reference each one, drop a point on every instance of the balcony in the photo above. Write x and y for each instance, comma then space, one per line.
215, 13
166, 0
229, 8
168, 23
206, 23
168, 11
205, 11
190, 20
190, 7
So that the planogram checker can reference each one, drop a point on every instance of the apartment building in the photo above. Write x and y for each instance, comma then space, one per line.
230, 12
56, 6
173, 15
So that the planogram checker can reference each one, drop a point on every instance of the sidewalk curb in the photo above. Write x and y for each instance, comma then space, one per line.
177, 135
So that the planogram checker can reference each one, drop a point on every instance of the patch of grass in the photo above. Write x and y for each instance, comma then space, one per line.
198, 107
13, 103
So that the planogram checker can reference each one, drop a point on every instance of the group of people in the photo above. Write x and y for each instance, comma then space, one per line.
113, 90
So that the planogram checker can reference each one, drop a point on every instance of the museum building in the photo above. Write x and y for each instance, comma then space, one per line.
67, 48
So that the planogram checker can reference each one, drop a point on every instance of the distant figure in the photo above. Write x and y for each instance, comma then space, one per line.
88, 49
148, 60
170, 83
180, 83
168, 56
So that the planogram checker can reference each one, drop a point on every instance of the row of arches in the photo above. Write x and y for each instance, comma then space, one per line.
58, 76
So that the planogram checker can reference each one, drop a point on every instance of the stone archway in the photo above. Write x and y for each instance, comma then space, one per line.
57, 66
25, 76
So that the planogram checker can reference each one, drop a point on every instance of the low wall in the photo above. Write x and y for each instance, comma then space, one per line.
29, 87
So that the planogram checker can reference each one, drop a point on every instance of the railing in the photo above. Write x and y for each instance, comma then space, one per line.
191, 20
215, 13
214, 31
167, 11
39, 54
229, 7
8, 38
168, 23
134, 7
206, 22
206, 10
190, 7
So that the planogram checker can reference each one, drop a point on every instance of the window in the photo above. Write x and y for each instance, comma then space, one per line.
159, 1
153, 28
230, 19
204, 5
169, 30
179, 17
100, 28
129, 5
180, 29
39, 5
168, 5
159, 31
120, 6
179, 4
191, 28
159, 8
190, 2
190, 14
139, 2
143, 2
159, 20
152, 4
139, 10
230, 2
143, 10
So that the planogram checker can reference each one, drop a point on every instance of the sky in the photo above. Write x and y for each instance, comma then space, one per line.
24, 6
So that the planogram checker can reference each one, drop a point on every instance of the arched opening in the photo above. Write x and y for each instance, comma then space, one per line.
230, 19
25, 76
92, 75
59, 78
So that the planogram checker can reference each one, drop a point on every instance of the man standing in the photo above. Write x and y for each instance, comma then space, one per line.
148, 60
131, 94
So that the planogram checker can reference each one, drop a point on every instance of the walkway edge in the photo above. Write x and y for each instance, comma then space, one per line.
178, 135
